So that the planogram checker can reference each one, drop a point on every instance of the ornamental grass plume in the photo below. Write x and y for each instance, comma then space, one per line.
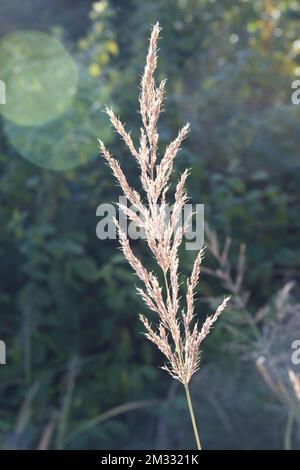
177, 335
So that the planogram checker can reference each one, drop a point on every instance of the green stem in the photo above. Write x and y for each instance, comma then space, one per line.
188, 397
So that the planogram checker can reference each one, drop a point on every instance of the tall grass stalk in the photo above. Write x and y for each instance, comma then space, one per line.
177, 334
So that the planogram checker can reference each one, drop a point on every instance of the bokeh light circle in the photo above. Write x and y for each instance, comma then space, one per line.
40, 77
70, 140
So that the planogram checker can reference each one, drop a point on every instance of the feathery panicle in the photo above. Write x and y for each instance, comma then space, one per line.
191, 285
211, 320
177, 335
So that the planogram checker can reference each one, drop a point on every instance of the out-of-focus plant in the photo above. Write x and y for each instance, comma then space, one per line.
265, 335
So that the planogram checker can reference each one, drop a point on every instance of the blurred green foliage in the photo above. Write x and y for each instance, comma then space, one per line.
67, 300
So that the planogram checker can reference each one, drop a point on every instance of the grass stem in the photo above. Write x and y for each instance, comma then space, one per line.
190, 405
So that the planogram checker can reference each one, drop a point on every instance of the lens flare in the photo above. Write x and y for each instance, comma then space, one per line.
40, 77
